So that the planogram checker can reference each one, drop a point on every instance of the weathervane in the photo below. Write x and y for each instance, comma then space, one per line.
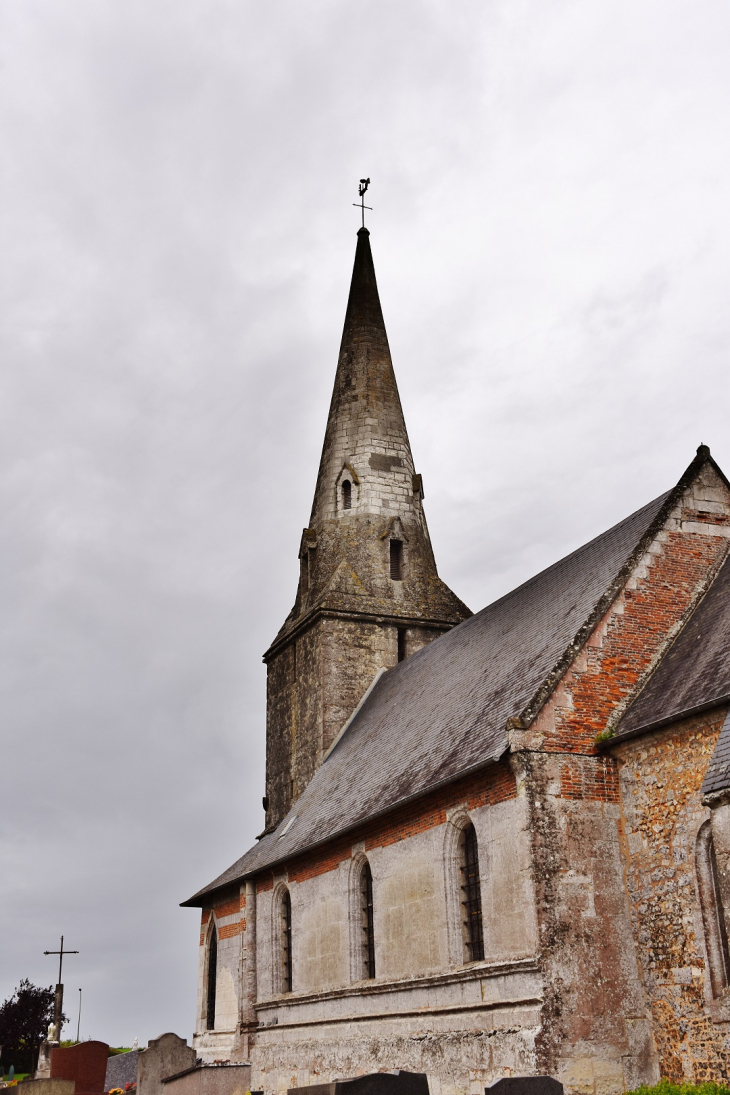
364, 184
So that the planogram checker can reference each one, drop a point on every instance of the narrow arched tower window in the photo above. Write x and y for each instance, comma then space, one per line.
471, 900
346, 494
212, 979
368, 930
286, 941
713, 913
396, 560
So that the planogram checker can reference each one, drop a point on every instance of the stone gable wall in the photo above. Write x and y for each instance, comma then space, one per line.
597, 1029
661, 776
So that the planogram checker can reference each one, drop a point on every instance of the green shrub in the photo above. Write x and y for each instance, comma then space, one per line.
664, 1087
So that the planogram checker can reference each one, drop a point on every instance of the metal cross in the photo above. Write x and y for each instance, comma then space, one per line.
60, 958
364, 184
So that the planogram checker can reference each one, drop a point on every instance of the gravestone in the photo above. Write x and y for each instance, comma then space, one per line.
121, 1069
525, 1085
397, 1082
164, 1056
84, 1063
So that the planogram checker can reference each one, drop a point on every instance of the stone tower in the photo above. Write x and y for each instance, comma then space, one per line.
369, 594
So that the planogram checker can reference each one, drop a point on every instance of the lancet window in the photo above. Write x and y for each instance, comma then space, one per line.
366, 898
286, 942
346, 494
713, 913
396, 560
471, 900
212, 979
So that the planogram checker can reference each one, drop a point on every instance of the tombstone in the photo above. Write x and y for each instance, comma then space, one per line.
397, 1082
225, 1078
525, 1085
165, 1056
84, 1063
121, 1069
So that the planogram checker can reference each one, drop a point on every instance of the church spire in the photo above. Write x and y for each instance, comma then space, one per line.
369, 593
365, 428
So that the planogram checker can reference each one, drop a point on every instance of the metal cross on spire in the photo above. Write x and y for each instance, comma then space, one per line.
364, 184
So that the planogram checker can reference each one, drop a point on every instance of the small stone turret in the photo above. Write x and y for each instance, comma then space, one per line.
369, 593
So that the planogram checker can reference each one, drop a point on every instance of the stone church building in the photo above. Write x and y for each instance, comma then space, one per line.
495, 844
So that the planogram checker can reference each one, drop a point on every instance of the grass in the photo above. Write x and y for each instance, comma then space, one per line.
665, 1087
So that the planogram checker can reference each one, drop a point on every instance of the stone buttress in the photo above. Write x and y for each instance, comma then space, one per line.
369, 593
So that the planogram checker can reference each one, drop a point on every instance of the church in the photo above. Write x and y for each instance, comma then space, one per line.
496, 844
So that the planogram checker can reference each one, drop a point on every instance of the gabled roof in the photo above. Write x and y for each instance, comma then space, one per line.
444, 711
694, 674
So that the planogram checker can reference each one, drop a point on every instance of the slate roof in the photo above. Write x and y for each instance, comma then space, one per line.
444, 711
717, 777
694, 674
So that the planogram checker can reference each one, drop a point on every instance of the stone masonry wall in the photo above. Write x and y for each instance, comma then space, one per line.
597, 1024
427, 1008
229, 914
661, 775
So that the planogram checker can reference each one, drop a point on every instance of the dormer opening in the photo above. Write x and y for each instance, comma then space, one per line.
396, 560
346, 494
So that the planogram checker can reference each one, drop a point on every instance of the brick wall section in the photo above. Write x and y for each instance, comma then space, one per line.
661, 775
491, 785
589, 778
633, 632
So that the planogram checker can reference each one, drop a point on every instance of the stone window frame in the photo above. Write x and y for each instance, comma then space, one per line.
347, 472
458, 951
354, 889
715, 938
277, 941
212, 926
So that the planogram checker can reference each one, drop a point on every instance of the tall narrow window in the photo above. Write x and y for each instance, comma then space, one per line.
401, 644
713, 914
471, 895
346, 494
212, 979
368, 943
286, 957
396, 560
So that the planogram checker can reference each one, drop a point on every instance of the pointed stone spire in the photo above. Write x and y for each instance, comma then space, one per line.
365, 418
369, 593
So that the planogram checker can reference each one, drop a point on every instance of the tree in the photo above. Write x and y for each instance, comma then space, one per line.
24, 1019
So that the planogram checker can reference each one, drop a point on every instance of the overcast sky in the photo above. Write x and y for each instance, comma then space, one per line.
550, 233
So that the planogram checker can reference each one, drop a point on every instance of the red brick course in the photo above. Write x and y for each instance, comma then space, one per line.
633, 638
488, 786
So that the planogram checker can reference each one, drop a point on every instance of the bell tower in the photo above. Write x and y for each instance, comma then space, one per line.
369, 593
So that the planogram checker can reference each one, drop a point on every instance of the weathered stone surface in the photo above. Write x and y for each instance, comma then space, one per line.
163, 1056
349, 609
121, 1069
661, 780
220, 1079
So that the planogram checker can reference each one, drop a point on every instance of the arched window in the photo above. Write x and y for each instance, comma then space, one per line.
713, 914
471, 900
366, 907
212, 979
346, 494
286, 956
396, 560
